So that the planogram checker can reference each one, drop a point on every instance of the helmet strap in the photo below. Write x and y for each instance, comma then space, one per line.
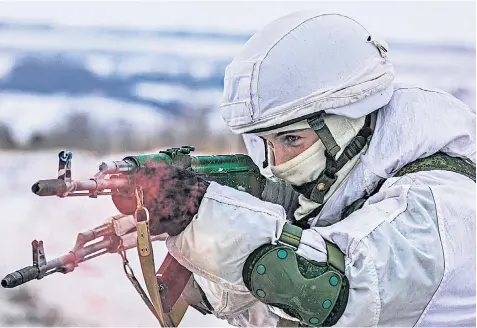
318, 124
317, 189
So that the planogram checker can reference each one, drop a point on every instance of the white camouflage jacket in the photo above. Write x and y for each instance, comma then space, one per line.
409, 251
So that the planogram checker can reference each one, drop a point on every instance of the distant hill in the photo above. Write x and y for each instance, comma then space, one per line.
170, 73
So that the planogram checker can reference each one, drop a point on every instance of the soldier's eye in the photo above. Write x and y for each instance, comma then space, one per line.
292, 138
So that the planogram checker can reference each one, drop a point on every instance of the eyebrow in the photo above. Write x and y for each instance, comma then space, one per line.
287, 132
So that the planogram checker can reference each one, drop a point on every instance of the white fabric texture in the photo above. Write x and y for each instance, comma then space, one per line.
416, 123
288, 70
216, 261
410, 251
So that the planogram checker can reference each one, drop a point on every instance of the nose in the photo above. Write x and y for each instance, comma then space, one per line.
279, 155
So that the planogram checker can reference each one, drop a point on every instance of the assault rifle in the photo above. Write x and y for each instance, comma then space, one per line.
122, 232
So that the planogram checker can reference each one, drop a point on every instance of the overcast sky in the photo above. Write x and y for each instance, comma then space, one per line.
430, 21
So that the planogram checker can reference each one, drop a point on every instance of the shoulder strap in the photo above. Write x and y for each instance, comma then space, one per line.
291, 236
440, 161
437, 161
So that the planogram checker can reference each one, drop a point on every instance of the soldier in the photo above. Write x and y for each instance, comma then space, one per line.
384, 230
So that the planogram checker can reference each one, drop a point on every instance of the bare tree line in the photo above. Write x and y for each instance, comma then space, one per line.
81, 132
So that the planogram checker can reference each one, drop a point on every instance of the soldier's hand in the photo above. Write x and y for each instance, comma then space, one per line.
171, 195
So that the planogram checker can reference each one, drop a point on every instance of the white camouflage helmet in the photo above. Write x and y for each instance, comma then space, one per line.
301, 64
304, 70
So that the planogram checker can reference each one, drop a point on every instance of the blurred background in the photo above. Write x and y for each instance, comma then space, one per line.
109, 79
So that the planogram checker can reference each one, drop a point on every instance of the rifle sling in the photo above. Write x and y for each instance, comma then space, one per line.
173, 317
178, 309
146, 258
141, 292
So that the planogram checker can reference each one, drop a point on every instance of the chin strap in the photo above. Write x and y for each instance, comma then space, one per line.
317, 189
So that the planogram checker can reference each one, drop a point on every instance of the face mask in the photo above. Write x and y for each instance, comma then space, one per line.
307, 206
308, 165
303, 168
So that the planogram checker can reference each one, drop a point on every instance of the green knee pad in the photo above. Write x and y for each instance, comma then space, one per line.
315, 293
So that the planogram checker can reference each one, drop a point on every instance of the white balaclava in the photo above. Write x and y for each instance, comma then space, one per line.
302, 65
307, 166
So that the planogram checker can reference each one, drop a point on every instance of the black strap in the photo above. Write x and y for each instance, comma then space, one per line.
265, 144
317, 189
321, 129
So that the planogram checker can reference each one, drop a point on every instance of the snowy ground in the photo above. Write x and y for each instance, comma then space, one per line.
97, 293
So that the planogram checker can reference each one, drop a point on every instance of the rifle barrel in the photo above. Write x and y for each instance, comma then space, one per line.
58, 187
20, 277
50, 187
65, 264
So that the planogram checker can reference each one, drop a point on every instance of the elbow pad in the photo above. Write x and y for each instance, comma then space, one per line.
316, 293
